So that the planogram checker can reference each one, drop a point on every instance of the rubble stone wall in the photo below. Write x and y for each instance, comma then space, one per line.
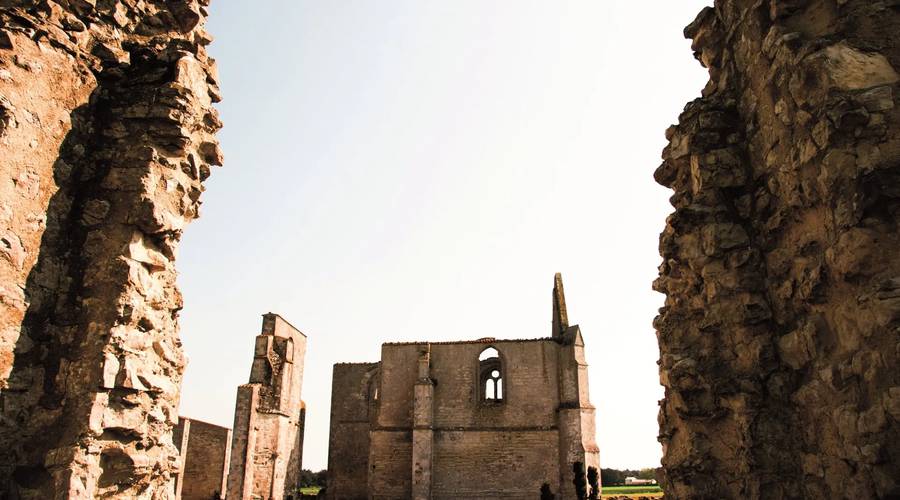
106, 133
474, 444
468, 448
353, 406
778, 338
269, 416
205, 454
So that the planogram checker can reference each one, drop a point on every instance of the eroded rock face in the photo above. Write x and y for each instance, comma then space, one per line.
106, 132
779, 336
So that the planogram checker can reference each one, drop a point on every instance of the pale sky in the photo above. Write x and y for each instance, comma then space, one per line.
418, 170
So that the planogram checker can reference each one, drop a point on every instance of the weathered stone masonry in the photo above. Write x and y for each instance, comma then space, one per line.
269, 417
205, 451
422, 424
106, 132
262, 458
779, 336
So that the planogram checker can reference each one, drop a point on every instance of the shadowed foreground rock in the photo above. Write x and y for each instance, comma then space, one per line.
779, 336
106, 131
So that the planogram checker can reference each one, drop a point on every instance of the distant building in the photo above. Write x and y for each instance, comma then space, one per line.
485, 418
633, 481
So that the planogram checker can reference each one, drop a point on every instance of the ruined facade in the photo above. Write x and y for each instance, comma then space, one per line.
267, 447
205, 451
262, 458
106, 133
778, 339
448, 420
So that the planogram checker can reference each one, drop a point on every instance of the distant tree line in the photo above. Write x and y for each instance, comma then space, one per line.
616, 477
309, 478
586, 483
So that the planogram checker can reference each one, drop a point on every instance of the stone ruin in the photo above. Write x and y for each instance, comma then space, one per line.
269, 416
106, 134
486, 418
263, 457
205, 451
779, 336
778, 339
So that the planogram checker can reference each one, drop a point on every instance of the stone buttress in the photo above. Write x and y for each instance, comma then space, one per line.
576, 413
423, 429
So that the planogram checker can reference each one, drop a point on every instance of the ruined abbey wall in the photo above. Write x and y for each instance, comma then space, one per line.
420, 424
353, 409
106, 133
778, 339
475, 445
269, 416
205, 451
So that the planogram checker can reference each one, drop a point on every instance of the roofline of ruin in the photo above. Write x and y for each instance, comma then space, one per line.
286, 321
479, 341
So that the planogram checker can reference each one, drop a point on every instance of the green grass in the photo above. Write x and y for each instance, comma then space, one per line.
630, 490
607, 490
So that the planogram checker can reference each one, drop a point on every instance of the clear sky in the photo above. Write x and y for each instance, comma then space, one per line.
418, 170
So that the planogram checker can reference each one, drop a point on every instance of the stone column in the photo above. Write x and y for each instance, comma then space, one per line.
226, 464
423, 430
266, 453
243, 442
575, 418
576, 413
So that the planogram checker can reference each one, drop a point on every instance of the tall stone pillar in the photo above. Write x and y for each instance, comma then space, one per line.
268, 417
423, 430
576, 413
106, 134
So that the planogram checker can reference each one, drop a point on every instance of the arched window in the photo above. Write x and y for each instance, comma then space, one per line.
490, 376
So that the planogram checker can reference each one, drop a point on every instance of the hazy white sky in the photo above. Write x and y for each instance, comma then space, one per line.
418, 170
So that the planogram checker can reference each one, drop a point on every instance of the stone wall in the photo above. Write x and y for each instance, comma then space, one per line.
479, 450
496, 463
205, 451
106, 132
266, 450
778, 339
418, 425
353, 405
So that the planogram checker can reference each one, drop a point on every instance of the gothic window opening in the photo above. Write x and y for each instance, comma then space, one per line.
490, 376
493, 388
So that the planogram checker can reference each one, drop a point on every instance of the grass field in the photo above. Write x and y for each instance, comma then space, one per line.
646, 491
649, 491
